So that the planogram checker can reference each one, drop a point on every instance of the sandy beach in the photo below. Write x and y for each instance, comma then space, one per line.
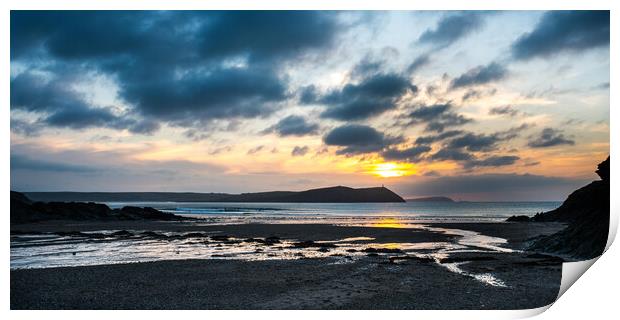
362, 279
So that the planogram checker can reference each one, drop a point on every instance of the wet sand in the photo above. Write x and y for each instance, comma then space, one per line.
367, 282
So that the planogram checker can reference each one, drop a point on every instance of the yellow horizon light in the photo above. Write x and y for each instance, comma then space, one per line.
392, 169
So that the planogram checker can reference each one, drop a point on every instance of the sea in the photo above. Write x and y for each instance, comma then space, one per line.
49, 250
414, 212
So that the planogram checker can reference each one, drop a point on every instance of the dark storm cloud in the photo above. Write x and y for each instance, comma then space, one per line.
358, 139
66, 108
299, 151
267, 35
410, 154
436, 117
183, 68
218, 94
492, 161
475, 142
451, 28
372, 96
484, 142
451, 154
480, 75
34, 93
308, 95
259, 35
22, 162
549, 137
293, 126
564, 31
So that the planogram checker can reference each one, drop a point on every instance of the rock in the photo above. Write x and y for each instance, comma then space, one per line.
23, 210
382, 250
402, 258
312, 244
466, 259
267, 241
518, 219
586, 213
195, 235
220, 238
323, 249
122, 233
272, 239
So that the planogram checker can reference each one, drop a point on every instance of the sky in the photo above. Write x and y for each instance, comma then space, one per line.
476, 105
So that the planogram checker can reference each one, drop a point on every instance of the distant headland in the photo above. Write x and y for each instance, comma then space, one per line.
337, 194
431, 199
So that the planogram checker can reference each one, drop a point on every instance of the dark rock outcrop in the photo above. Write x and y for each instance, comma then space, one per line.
586, 212
23, 210
518, 219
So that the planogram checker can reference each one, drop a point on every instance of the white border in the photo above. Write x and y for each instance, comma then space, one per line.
598, 291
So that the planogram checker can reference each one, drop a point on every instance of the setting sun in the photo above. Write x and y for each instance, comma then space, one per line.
391, 169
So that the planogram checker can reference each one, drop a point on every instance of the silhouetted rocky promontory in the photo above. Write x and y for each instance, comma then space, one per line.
24, 210
586, 212
331, 194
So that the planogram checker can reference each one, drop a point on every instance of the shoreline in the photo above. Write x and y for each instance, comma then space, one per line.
387, 279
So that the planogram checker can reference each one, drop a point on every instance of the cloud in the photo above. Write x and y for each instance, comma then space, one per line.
27, 128
452, 28
438, 137
484, 142
473, 94
437, 117
504, 110
372, 96
480, 75
221, 93
358, 139
293, 126
507, 186
475, 142
563, 31
492, 161
22, 162
410, 154
299, 151
177, 67
549, 137
256, 149
462, 148
64, 107
451, 154
419, 63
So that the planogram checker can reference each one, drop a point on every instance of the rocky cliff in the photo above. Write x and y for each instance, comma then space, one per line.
586, 212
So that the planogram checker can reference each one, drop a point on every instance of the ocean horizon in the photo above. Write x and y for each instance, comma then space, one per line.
469, 211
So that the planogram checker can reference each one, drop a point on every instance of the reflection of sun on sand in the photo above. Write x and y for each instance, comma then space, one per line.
390, 223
